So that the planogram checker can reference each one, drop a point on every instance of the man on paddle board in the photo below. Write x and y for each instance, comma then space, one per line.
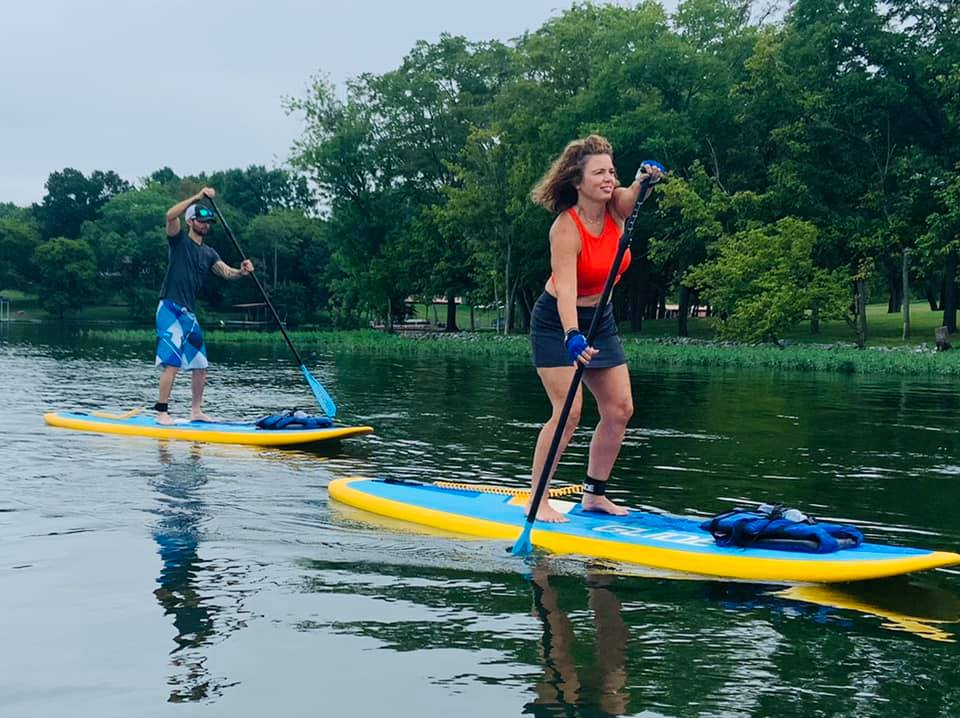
180, 343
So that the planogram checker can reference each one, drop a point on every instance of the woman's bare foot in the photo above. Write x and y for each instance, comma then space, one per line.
547, 513
164, 418
200, 416
602, 504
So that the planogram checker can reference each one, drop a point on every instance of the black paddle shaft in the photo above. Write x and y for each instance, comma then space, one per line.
253, 275
624, 244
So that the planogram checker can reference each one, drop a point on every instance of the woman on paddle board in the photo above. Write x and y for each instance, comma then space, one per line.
581, 188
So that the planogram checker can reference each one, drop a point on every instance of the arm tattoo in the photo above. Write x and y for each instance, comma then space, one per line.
222, 269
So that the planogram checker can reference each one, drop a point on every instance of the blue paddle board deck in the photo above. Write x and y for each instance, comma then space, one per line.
135, 424
675, 543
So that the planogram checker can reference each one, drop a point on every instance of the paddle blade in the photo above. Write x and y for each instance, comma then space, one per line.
523, 547
323, 398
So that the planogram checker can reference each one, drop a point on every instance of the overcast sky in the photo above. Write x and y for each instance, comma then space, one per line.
134, 85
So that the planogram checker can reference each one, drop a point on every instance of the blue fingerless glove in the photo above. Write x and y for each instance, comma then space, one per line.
575, 343
652, 163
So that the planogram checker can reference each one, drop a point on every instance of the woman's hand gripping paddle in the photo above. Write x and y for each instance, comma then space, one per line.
522, 546
321, 394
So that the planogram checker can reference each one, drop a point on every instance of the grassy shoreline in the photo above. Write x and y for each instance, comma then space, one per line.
919, 360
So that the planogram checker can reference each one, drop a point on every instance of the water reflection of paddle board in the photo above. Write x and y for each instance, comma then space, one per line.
668, 542
913, 609
134, 424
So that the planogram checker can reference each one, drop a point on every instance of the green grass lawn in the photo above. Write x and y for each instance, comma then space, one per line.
27, 307
23, 306
483, 319
883, 329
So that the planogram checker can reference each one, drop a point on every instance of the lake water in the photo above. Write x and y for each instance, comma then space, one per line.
148, 578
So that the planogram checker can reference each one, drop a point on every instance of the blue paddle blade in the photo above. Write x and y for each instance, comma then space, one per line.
523, 547
323, 398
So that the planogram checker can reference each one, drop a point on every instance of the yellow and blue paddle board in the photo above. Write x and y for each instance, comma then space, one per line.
675, 543
134, 424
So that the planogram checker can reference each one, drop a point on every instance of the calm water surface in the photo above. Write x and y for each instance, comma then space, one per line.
146, 578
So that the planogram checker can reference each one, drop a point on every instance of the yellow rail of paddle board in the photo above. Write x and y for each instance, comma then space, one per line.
185, 433
739, 565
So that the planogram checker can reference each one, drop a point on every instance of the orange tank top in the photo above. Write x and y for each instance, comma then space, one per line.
596, 255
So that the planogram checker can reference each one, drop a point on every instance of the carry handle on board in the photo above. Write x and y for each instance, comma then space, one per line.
523, 547
321, 394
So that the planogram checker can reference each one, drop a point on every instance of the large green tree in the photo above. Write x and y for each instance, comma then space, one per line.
292, 255
19, 238
257, 190
763, 281
67, 275
382, 157
356, 177
73, 199
129, 241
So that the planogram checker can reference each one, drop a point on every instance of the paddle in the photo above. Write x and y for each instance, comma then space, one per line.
321, 394
523, 547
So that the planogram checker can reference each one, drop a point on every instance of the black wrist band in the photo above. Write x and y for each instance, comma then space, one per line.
161, 406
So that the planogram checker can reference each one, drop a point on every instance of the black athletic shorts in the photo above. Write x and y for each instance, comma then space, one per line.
546, 336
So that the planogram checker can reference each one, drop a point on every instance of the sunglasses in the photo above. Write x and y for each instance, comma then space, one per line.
205, 215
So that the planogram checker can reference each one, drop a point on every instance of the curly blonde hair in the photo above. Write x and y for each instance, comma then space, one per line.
557, 189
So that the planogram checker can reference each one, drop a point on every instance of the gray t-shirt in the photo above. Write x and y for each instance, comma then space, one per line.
188, 265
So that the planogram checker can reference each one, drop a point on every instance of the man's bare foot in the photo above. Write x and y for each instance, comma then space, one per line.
602, 504
164, 418
547, 513
200, 416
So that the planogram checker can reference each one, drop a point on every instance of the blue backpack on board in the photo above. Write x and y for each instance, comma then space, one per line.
293, 419
781, 528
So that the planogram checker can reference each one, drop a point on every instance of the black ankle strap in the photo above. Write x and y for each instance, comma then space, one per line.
594, 486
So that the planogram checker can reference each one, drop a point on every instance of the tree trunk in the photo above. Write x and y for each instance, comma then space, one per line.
451, 313
905, 293
895, 284
636, 314
931, 297
683, 312
635, 305
389, 323
950, 293
526, 307
496, 304
815, 320
512, 304
507, 293
942, 338
860, 303
473, 323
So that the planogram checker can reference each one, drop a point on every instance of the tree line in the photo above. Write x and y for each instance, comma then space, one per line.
813, 157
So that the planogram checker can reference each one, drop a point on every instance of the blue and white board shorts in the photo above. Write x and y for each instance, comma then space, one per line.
179, 338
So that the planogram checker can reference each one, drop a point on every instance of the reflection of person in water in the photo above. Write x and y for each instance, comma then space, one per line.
561, 691
177, 534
